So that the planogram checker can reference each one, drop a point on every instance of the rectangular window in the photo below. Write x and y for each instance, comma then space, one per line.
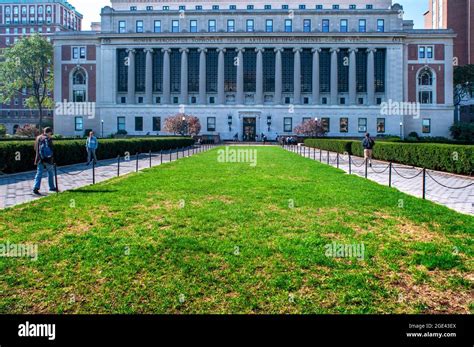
175, 26
82, 52
307, 25
79, 96
157, 26
426, 126
429, 52
425, 97
362, 25
325, 25
344, 125
306, 119
230, 25
250, 25
380, 125
138, 123
362, 125
380, 25
120, 123
78, 123
139, 26
156, 123
269, 25
421, 52
193, 26
75, 53
288, 25
343, 28
287, 124
122, 27
211, 123
212, 26
325, 124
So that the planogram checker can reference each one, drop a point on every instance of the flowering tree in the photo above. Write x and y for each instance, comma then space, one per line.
185, 125
28, 131
311, 128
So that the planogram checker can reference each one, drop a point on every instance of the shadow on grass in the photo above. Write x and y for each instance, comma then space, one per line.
91, 191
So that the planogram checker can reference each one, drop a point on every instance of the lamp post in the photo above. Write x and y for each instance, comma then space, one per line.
184, 130
401, 130
229, 122
269, 122
102, 128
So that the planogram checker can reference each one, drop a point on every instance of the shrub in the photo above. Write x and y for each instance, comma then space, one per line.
3, 130
73, 151
443, 157
463, 132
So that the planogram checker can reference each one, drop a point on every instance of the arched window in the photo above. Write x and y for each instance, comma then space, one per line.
79, 78
426, 86
425, 78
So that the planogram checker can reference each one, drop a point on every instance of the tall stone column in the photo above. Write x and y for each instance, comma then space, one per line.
149, 76
352, 76
370, 76
259, 80
278, 76
221, 76
184, 75
297, 76
334, 76
240, 76
316, 93
131, 76
202, 76
166, 77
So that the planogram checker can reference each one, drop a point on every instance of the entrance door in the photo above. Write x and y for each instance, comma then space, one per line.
250, 129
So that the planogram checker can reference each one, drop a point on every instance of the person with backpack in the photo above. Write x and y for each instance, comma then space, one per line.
44, 160
91, 145
368, 143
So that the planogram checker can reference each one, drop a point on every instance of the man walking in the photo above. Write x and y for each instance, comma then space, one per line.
44, 160
91, 145
368, 143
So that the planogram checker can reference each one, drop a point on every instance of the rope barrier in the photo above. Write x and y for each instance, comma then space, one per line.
407, 178
380, 172
441, 184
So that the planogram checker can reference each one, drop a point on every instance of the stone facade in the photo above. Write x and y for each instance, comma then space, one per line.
256, 68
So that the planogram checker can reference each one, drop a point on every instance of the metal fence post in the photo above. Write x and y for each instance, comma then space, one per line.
150, 158
171, 158
118, 165
328, 157
93, 171
424, 183
337, 158
56, 177
366, 165
136, 164
320, 155
350, 165
161, 156
390, 174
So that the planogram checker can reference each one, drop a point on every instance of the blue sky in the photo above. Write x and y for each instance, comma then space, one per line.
414, 9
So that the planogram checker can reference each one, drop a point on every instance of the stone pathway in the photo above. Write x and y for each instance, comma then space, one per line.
17, 188
407, 179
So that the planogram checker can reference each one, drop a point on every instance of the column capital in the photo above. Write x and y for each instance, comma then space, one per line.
223, 50
297, 49
279, 49
184, 50
259, 49
166, 50
371, 50
332, 50
353, 50
314, 50
201, 50
131, 50
148, 50
240, 50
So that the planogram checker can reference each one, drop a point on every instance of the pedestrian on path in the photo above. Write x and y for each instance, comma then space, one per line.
44, 159
91, 145
368, 143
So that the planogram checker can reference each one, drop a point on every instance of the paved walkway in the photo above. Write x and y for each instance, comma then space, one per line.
18, 188
405, 178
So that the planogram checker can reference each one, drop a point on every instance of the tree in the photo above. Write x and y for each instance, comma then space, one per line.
185, 125
311, 128
463, 84
27, 70
3, 130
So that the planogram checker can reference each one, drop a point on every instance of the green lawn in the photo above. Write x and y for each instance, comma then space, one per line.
199, 236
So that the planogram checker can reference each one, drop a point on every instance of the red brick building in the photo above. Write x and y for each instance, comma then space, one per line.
459, 16
20, 18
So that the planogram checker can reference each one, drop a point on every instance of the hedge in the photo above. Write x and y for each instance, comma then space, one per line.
442, 157
18, 156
